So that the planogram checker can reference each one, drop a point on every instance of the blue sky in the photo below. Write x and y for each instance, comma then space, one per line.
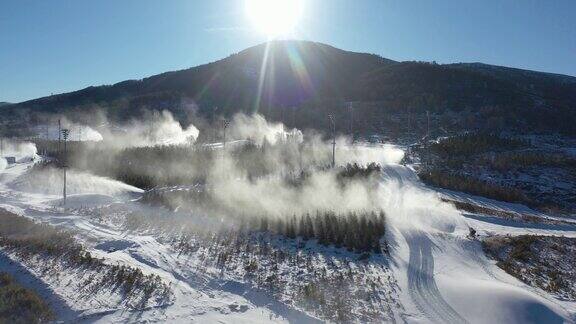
58, 46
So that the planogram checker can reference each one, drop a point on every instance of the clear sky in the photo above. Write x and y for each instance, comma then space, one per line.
55, 46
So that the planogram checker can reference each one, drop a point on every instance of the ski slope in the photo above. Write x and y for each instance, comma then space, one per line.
195, 296
421, 283
443, 276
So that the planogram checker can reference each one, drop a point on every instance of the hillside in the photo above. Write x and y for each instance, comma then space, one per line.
247, 250
231, 83
315, 80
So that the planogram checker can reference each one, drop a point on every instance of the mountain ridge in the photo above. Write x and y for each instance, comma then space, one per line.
319, 79
469, 65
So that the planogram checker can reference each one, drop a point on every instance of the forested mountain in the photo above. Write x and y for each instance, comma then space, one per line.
301, 82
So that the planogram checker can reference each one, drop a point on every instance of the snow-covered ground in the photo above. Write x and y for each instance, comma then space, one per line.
446, 278
194, 298
440, 275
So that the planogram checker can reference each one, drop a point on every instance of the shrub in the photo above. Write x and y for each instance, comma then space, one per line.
546, 262
21, 305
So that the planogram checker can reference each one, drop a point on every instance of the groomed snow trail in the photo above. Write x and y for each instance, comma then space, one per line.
418, 271
421, 282
443, 274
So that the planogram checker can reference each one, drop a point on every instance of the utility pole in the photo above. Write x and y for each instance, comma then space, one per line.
1, 146
428, 137
428, 123
213, 128
65, 133
300, 149
59, 135
409, 121
333, 128
47, 138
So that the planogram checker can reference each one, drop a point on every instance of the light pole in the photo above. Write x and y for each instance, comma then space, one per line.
428, 138
333, 129
47, 140
65, 133
225, 124
59, 135
351, 108
213, 126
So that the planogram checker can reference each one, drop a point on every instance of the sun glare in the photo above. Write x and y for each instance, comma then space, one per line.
274, 17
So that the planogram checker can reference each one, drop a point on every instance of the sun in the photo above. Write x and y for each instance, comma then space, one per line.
274, 17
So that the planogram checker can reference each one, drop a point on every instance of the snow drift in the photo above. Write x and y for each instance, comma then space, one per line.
49, 181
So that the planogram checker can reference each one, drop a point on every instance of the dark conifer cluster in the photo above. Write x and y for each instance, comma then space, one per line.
518, 160
473, 186
355, 170
357, 232
475, 143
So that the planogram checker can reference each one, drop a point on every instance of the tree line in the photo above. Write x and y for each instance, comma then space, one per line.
358, 232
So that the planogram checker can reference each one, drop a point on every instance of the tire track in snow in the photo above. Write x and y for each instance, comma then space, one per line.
423, 288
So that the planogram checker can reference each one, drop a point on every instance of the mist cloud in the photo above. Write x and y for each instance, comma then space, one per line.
18, 149
261, 182
49, 181
158, 129
258, 129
